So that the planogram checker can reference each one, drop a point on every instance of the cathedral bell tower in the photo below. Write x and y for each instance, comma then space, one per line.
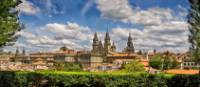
107, 44
113, 47
130, 48
95, 44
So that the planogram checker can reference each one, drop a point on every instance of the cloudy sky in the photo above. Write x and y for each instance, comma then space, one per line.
153, 24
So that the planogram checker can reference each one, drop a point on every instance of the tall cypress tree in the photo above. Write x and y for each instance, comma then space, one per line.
194, 28
9, 21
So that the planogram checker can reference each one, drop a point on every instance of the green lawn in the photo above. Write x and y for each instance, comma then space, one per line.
93, 73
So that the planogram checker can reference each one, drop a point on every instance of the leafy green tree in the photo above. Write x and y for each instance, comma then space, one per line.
9, 21
194, 28
68, 67
134, 66
162, 62
155, 62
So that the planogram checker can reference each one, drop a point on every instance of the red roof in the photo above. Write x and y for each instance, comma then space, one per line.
181, 71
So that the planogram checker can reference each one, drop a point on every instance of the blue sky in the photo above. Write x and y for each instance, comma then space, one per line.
62, 11
54, 23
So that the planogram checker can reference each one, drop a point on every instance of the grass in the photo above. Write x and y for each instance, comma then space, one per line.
135, 74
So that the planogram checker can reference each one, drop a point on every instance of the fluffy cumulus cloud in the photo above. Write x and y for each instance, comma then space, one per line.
115, 9
121, 10
54, 35
69, 31
162, 28
28, 8
167, 36
162, 37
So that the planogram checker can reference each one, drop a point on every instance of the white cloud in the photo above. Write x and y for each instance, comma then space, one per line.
28, 8
79, 37
162, 37
55, 35
121, 10
115, 9
87, 6
25, 34
68, 31
162, 28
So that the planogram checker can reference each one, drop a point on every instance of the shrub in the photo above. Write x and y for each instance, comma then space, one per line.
87, 79
134, 66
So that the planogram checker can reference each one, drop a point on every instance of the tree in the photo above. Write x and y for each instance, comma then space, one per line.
134, 66
9, 21
162, 62
194, 28
155, 62
68, 66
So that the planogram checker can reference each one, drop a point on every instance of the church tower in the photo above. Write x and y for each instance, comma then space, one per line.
17, 52
95, 45
130, 48
107, 44
24, 51
101, 49
113, 47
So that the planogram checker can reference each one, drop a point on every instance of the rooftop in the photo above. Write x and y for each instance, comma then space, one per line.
180, 71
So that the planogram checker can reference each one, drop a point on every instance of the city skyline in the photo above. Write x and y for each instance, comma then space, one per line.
51, 24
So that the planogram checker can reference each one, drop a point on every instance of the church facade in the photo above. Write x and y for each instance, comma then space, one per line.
103, 56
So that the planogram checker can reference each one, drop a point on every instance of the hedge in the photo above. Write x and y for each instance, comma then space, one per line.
86, 79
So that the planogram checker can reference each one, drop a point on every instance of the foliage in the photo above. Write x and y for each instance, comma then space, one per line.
68, 67
162, 62
134, 66
9, 22
194, 28
88, 79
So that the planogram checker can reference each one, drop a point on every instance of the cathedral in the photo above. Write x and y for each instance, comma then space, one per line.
104, 55
99, 48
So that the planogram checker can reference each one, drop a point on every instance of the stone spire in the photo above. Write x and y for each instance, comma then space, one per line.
130, 47
100, 47
24, 51
17, 51
107, 44
113, 47
95, 44
95, 37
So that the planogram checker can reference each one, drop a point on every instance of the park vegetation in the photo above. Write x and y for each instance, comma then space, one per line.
88, 79
162, 62
68, 67
9, 21
194, 28
133, 66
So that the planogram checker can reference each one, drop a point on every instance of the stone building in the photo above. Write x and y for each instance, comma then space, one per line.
103, 49
19, 57
65, 55
129, 48
103, 56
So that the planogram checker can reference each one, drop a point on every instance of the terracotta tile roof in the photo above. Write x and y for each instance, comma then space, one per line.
39, 63
180, 71
144, 63
118, 54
